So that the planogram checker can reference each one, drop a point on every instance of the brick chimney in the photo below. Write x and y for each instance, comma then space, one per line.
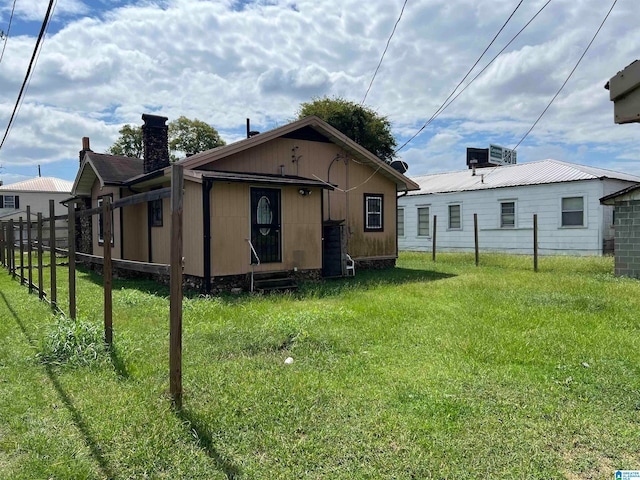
155, 142
85, 148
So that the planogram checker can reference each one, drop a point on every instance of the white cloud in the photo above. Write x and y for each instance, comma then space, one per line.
105, 63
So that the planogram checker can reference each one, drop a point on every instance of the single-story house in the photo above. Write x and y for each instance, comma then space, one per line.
565, 197
295, 199
36, 193
626, 204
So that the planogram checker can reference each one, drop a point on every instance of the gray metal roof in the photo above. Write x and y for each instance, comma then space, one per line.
40, 184
531, 173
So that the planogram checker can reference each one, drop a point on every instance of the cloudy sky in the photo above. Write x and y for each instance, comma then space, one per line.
105, 62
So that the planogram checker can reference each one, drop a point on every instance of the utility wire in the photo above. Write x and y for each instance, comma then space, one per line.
384, 52
26, 77
6, 35
445, 105
570, 75
35, 63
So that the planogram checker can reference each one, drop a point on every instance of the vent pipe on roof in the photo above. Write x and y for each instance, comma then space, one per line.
39, 174
473, 162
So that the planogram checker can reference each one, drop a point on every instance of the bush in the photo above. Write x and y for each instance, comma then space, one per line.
72, 342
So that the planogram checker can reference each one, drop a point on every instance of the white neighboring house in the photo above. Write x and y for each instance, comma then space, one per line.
36, 193
565, 196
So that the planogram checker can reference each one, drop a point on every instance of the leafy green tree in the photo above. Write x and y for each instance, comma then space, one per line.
185, 136
361, 124
129, 144
192, 136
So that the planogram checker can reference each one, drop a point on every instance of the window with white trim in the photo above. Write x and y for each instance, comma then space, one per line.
423, 221
9, 201
573, 211
373, 208
508, 214
455, 217
401, 222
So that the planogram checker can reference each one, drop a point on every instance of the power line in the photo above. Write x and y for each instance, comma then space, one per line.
384, 52
569, 76
443, 107
6, 35
26, 77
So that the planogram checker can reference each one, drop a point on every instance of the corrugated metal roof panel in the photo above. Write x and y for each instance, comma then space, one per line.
532, 173
40, 184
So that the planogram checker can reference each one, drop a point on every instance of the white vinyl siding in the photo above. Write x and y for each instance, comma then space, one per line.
545, 201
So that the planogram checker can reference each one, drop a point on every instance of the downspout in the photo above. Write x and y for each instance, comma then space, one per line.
207, 184
121, 217
322, 240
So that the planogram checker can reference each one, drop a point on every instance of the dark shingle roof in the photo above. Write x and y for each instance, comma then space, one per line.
114, 169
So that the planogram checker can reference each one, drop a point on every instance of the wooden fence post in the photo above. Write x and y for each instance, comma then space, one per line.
71, 246
40, 261
107, 272
433, 248
535, 242
175, 322
29, 247
475, 237
21, 237
12, 249
2, 243
52, 244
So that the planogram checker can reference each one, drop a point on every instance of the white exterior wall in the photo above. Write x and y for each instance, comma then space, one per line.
543, 200
39, 203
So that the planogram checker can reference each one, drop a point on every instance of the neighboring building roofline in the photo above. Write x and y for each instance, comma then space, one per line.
610, 199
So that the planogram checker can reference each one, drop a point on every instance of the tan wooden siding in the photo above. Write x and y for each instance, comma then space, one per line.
328, 162
135, 240
231, 227
192, 238
301, 230
97, 192
370, 244
160, 236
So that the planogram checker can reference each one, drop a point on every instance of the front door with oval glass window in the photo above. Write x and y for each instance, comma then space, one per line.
265, 225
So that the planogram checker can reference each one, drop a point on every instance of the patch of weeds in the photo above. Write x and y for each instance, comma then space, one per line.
72, 342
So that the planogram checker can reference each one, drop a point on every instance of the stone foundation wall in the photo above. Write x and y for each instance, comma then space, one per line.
627, 240
228, 283
374, 263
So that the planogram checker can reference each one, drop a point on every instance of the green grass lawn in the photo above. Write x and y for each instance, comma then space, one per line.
429, 370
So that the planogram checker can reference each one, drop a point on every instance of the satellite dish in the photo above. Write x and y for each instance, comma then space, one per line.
399, 166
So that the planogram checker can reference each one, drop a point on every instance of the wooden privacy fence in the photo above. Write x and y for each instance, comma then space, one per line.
13, 242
